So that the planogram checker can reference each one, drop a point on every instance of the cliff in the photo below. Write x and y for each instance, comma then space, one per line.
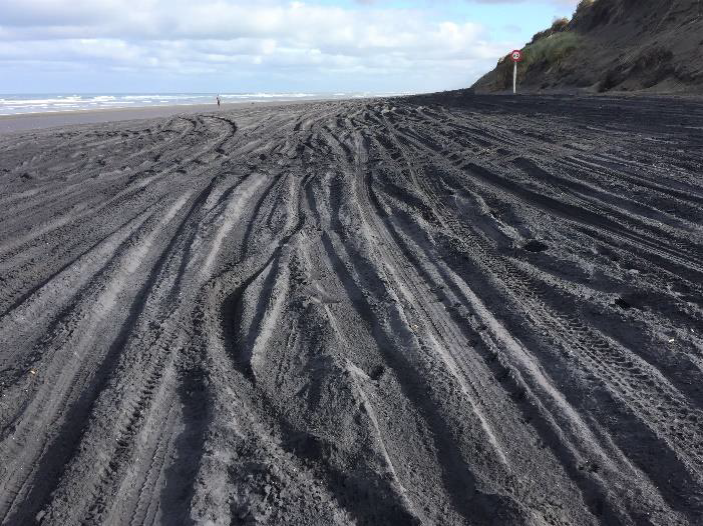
613, 45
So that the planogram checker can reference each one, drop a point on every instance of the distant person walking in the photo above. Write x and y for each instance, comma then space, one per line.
218, 101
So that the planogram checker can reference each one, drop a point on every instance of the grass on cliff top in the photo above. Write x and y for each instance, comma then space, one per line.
551, 49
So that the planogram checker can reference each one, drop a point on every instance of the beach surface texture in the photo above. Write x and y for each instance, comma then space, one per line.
442, 310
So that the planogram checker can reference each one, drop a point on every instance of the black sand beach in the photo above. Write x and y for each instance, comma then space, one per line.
435, 310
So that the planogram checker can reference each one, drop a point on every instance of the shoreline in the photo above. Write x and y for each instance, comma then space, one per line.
45, 120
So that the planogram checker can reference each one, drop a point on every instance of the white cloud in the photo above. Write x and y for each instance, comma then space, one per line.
180, 37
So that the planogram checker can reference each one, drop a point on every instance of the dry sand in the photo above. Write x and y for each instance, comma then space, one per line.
437, 310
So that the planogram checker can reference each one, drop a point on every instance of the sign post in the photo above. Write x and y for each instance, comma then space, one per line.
516, 57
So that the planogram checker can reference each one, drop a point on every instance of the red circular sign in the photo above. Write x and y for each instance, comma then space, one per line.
516, 55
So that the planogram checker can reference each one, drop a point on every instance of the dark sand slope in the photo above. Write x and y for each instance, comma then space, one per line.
424, 311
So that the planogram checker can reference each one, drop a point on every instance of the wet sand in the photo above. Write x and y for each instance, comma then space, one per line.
32, 121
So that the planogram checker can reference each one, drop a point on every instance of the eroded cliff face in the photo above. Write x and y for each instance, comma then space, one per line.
614, 45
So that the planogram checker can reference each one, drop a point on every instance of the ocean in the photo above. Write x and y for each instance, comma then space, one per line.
15, 104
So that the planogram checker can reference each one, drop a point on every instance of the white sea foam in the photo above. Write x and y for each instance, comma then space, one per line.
11, 104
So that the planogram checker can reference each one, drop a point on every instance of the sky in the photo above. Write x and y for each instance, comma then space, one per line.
236, 46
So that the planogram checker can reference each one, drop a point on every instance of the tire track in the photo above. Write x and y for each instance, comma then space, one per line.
446, 309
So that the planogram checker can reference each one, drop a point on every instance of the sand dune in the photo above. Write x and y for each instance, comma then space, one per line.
434, 310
